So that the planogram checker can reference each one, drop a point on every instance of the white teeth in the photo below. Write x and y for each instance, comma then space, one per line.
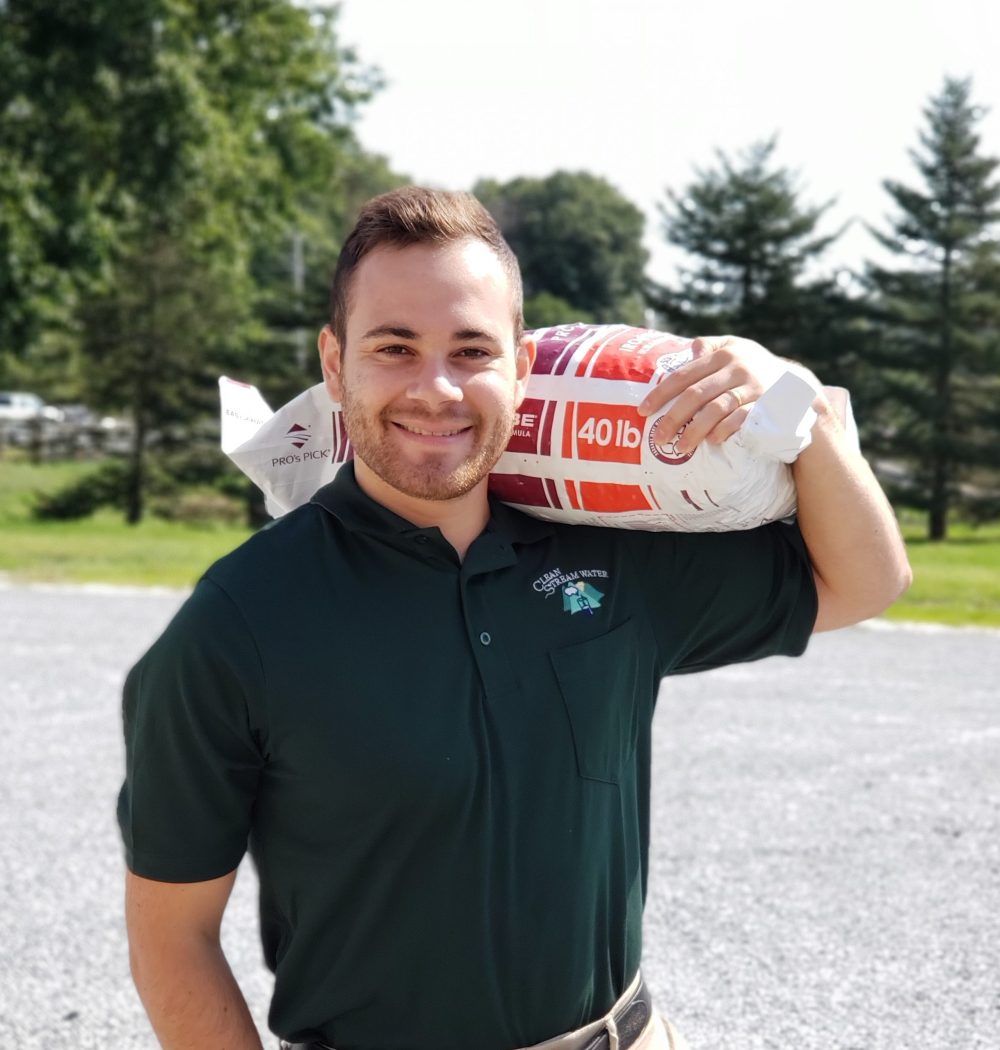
431, 433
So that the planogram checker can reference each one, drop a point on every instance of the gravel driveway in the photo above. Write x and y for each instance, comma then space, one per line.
825, 870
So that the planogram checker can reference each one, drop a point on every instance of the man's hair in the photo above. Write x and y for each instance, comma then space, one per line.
414, 215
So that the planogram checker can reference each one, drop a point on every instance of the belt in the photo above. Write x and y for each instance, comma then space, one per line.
626, 1024
621, 1029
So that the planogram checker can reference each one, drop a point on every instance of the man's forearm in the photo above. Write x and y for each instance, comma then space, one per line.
849, 527
192, 998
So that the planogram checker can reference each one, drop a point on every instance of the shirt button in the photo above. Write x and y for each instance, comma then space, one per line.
421, 539
485, 638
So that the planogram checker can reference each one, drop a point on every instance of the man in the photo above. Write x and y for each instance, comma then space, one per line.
442, 771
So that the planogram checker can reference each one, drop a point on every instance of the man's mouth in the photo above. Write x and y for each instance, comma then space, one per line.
425, 432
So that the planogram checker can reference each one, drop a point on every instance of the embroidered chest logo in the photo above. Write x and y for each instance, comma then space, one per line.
581, 597
578, 591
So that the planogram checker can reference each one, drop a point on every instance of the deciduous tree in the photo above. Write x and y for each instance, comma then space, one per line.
158, 146
577, 238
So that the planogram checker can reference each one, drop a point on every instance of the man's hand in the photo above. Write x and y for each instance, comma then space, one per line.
858, 556
714, 392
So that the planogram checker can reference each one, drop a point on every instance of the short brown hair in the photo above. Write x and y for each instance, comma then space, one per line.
414, 215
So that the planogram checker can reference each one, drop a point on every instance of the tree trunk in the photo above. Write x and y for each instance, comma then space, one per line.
135, 482
937, 519
257, 515
941, 451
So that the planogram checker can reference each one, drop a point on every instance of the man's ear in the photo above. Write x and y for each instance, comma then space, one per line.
330, 361
525, 361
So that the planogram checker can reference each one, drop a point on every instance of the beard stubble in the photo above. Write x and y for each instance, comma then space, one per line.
433, 479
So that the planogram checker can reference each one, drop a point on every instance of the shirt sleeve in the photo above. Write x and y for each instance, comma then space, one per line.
719, 598
192, 744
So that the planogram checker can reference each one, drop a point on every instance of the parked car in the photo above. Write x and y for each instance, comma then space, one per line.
54, 431
17, 406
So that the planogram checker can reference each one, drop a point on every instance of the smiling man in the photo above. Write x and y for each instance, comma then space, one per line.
441, 770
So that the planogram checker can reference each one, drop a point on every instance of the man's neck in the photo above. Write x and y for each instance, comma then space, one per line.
460, 520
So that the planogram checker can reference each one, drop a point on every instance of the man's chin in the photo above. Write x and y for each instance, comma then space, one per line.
439, 489
431, 475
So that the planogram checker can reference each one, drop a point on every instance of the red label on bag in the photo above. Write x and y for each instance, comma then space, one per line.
609, 433
527, 426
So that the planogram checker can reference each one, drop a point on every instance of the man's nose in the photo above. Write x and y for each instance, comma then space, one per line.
434, 383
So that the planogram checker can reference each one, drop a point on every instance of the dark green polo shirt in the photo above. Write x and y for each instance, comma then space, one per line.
442, 768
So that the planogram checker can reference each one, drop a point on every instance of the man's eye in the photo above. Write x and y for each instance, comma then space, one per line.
474, 352
395, 350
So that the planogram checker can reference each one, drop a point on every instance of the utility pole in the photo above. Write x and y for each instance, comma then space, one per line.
298, 285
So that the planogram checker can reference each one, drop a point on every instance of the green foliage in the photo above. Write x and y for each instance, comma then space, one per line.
200, 505
937, 319
545, 310
22, 482
752, 242
153, 151
103, 486
576, 238
190, 482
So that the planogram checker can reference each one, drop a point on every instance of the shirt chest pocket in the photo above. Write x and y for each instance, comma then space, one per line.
599, 683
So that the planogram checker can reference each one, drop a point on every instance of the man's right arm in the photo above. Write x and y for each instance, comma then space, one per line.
180, 972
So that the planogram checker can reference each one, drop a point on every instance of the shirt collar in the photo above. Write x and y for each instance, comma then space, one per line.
346, 500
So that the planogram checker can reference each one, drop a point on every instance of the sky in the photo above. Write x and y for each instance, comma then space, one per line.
643, 92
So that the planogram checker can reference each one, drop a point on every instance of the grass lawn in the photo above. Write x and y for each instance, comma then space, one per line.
956, 582
101, 548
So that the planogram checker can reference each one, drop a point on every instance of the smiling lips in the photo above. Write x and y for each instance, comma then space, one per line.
423, 432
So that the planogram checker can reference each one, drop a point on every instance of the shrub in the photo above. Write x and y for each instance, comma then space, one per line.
200, 506
103, 487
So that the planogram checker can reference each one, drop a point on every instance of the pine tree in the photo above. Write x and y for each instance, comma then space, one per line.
938, 319
752, 242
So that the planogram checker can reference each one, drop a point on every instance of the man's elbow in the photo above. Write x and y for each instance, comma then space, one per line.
904, 579
870, 598
896, 582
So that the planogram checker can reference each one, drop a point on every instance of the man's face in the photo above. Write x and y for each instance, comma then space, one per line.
430, 377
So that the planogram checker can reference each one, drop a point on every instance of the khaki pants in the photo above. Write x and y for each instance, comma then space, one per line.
660, 1034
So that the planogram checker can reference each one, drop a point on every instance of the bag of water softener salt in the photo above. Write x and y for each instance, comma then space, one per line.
580, 452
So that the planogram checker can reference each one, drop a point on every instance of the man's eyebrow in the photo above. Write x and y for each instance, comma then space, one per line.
397, 331
473, 335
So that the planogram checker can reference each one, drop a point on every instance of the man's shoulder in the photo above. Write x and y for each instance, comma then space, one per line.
656, 551
284, 549
610, 536
527, 525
